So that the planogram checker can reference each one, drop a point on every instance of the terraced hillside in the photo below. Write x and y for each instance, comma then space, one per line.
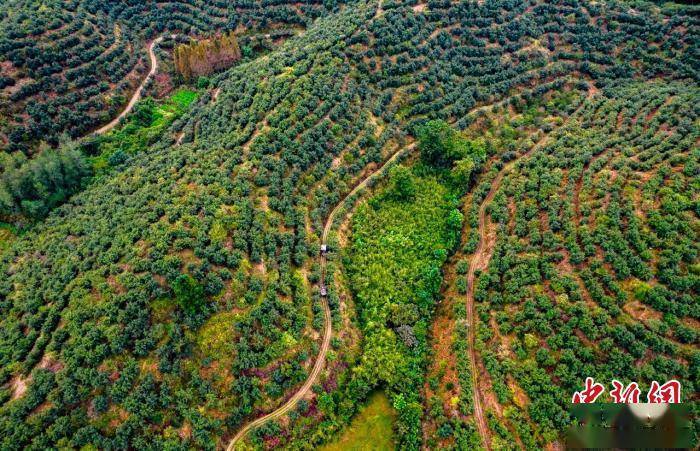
591, 274
68, 67
177, 299
579, 270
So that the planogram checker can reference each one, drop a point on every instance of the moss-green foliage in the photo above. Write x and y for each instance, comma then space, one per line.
443, 146
214, 337
371, 428
141, 129
403, 183
7, 233
396, 252
240, 204
31, 188
189, 293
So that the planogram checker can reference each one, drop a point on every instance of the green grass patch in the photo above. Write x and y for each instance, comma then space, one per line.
371, 429
162, 308
215, 338
183, 98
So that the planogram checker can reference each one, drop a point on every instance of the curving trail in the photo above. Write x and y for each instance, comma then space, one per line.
480, 257
327, 326
480, 260
139, 91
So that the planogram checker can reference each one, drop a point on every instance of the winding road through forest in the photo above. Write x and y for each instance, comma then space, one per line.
479, 259
327, 320
139, 91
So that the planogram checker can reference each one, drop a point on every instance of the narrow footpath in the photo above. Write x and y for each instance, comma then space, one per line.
139, 91
480, 260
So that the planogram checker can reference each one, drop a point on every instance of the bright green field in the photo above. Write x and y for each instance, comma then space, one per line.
371, 429
173, 107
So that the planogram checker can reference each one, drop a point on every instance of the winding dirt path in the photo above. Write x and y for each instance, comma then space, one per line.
480, 260
325, 345
139, 91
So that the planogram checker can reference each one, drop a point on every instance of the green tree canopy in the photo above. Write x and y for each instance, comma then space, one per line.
189, 293
403, 183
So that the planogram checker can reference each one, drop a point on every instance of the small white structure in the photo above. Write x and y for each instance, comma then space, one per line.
324, 292
324, 248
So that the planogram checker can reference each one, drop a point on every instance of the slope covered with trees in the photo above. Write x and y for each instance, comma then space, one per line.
67, 67
592, 269
202, 58
178, 298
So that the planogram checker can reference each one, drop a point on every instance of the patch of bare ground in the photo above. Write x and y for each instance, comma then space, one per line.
565, 264
19, 386
49, 363
380, 9
348, 332
691, 322
641, 312
185, 432
619, 119
437, 31
419, 8
378, 125
260, 267
653, 112
264, 202
512, 210
504, 341
486, 390
554, 446
160, 280
115, 285
118, 416
584, 339
42, 407
443, 365
9, 70
219, 373
534, 46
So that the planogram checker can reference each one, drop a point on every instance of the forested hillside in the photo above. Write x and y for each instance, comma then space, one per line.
595, 245
68, 66
522, 211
